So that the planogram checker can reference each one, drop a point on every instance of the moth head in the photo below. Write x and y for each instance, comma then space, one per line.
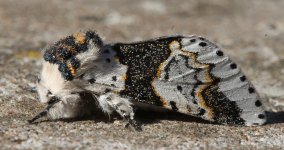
74, 52
65, 60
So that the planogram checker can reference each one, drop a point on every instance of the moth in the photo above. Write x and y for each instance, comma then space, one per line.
186, 74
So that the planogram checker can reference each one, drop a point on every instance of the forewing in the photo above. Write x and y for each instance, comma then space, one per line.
199, 79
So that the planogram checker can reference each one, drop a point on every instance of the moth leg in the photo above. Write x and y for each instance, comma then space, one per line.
44, 113
112, 102
68, 106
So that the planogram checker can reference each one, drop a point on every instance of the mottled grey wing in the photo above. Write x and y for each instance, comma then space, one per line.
199, 79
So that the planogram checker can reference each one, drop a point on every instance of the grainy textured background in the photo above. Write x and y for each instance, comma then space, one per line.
251, 32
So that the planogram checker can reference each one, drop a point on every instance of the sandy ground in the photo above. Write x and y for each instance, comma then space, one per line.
251, 32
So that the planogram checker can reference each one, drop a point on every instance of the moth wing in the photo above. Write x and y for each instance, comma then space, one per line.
199, 79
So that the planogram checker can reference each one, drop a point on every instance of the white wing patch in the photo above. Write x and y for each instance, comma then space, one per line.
178, 75
105, 71
115, 71
225, 69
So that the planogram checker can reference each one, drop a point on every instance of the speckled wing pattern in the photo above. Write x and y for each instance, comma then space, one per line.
190, 75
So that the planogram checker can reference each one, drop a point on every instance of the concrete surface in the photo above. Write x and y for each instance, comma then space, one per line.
251, 32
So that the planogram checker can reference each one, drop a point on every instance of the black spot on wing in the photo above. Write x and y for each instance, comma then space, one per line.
219, 53
107, 90
202, 44
251, 90
243, 78
261, 116
179, 88
233, 66
92, 81
193, 40
258, 103
114, 78
81, 76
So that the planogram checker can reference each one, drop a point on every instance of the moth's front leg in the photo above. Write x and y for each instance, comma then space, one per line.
45, 111
110, 102
65, 106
